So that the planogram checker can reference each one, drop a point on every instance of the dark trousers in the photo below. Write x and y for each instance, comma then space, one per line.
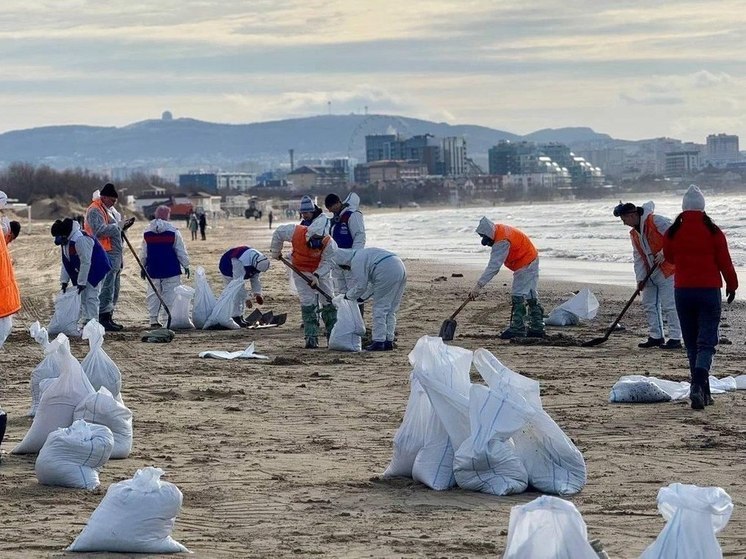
699, 315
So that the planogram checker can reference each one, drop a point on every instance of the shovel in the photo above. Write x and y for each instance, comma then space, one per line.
159, 335
448, 328
305, 277
610, 329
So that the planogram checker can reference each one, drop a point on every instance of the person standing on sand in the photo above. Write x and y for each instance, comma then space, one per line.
646, 232
269, 218
244, 263
699, 250
10, 297
163, 255
514, 249
348, 231
203, 225
313, 253
193, 224
310, 213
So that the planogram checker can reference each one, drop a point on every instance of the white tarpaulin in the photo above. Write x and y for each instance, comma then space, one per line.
647, 390
582, 306
247, 353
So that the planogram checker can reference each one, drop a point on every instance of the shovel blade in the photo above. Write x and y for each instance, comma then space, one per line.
279, 319
594, 342
447, 330
254, 317
266, 318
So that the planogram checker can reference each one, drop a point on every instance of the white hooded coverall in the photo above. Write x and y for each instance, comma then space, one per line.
250, 257
356, 227
89, 306
378, 273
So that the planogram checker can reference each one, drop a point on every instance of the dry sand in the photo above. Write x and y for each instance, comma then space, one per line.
282, 458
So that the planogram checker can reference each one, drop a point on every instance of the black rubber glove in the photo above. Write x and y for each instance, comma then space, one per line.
730, 296
127, 224
142, 273
80, 289
187, 273
63, 286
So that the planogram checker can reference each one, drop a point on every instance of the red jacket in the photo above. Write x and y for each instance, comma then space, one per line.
700, 256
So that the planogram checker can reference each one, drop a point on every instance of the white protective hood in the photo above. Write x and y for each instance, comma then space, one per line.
486, 227
352, 201
344, 256
317, 227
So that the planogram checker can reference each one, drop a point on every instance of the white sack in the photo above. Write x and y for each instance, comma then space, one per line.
582, 306
181, 308
642, 389
547, 528
103, 409
135, 516
693, 516
204, 299
222, 313
247, 353
45, 369
66, 314
349, 328
58, 401
6, 325
553, 462
486, 461
740, 382
73, 456
98, 367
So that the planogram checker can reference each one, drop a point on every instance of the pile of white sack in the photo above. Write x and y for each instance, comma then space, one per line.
582, 306
495, 439
639, 389
210, 312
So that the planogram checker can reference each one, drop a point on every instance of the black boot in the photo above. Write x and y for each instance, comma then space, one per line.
697, 388
708, 397
105, 320
116, 324
652, 342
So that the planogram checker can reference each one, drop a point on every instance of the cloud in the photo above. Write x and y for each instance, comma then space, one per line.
651, 99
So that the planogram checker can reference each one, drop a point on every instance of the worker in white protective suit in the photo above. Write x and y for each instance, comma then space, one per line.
245, 263
514, 249
377, 273
163, 255
312, 254
647, 230
310, 213
348, 231
84, 262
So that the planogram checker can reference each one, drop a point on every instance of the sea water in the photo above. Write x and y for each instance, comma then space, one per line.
577, 241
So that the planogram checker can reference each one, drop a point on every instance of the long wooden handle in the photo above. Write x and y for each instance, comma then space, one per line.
150, 281
631, 300
304, 276
458, 310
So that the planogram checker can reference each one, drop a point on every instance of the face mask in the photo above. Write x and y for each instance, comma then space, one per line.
316, 243
487, 242
60, 240
250, 272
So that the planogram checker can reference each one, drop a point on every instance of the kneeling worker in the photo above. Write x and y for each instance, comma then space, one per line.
312, 254
244, 263
377, 273
514, 249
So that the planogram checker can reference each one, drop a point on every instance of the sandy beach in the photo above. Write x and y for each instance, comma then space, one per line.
282, 458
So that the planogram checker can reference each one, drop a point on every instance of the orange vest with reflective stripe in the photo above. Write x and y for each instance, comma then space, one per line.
98, 205
655, 242
10, 298
522, 251
305, 258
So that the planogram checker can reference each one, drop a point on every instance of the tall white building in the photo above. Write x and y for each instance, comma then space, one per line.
722, 149
454, 156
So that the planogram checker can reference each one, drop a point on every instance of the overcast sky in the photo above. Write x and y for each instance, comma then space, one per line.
632, 69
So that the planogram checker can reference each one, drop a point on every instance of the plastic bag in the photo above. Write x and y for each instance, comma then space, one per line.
547, 528
66, 314
582, 306
103, 409
45, 369
181, 309
98, 367
204, 299
72, 456
222, 313
135, 516
349, 328
642, 389
6, 325
693, 516
58, 401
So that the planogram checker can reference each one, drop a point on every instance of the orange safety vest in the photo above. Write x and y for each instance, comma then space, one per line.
99, 206
655, 242
522, 251
305, 258
10, 298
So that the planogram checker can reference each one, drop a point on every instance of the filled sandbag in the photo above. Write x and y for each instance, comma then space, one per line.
222, 314
693, 516
346, 335
642, 389
6, 325
58, 401
66, 314
46, 369
204, 299
98, 366
182, 307
72, 456
135, 516
582, 306
103, 409
547, 528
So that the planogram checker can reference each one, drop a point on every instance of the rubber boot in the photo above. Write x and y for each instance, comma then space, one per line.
535, 319
708, 396
329, 316
310, 326
517, 328
105, 320
697, 388
116, 324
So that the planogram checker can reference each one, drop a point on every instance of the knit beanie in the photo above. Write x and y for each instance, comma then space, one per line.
693, 199
306, 204
109, 190
163, 212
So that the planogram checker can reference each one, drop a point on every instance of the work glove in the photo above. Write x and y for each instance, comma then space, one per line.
659, 258
259, 299
730, 295
80, 289
314, 280
248, 303
127, 224
142, 274
474, 293
63, 286
276, 255
640, 285
187, 273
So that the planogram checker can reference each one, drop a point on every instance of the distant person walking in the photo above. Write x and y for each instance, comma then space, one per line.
203, 225
699, 250
269, 218
193, 223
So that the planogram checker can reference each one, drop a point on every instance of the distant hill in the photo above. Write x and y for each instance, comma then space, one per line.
185, 141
